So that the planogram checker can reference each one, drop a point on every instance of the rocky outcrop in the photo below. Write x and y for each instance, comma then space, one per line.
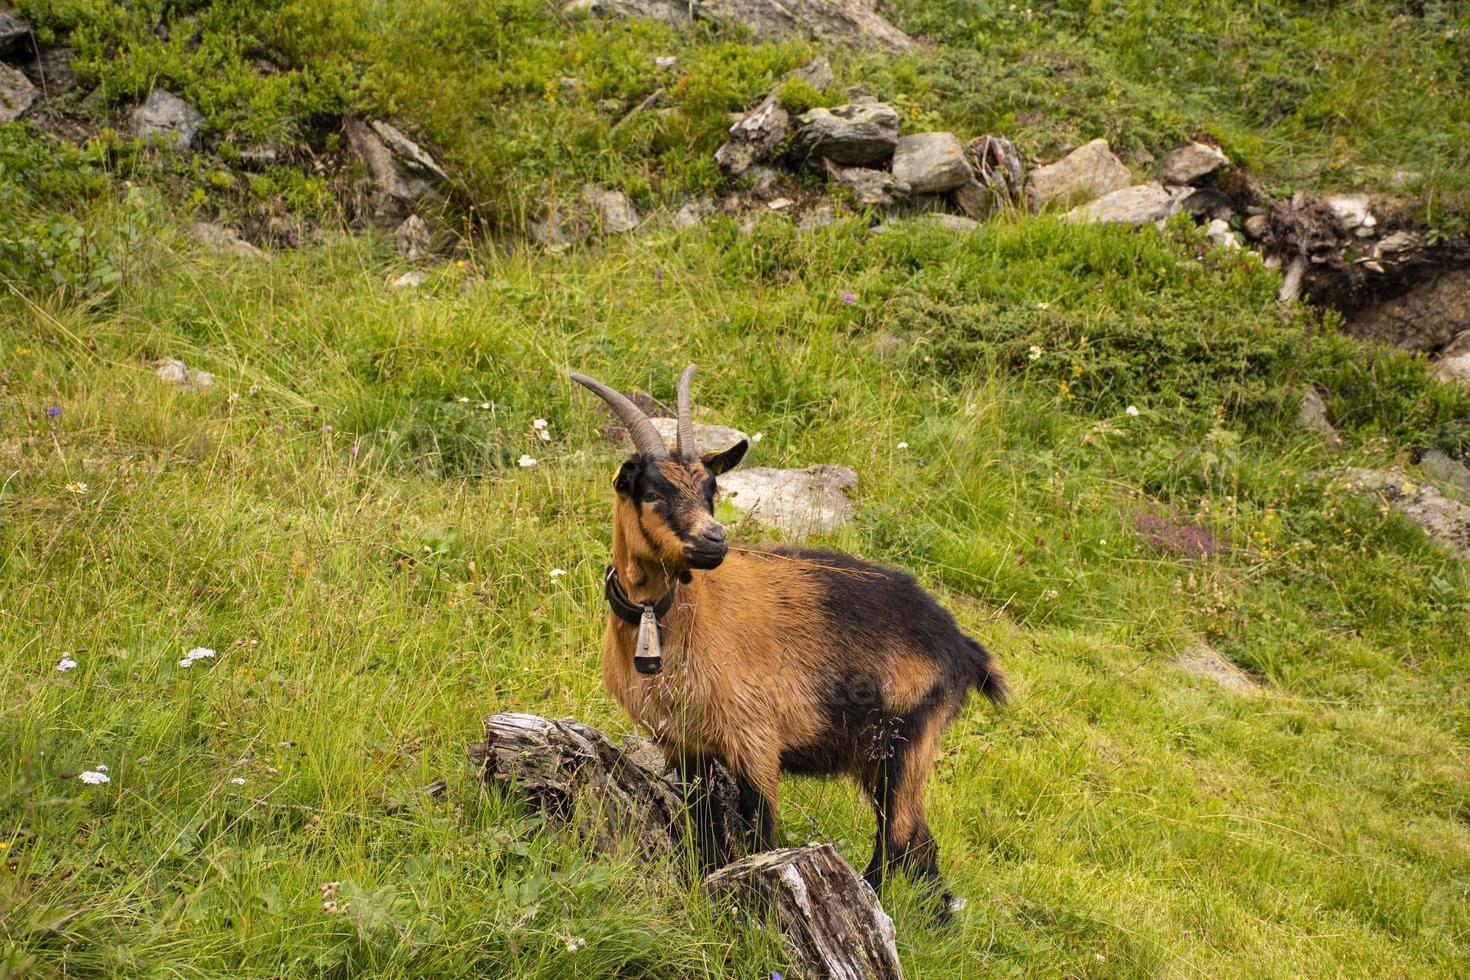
755, 136
167, 118
931, 163
853, 23
1138, 205
17, 94
1089, 170
1426, 318
863, 134
399, 173
1443, 520
1191, 162
1447, 470
1453, 363
877, 188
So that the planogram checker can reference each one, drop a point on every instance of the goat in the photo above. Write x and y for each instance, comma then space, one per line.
782, 659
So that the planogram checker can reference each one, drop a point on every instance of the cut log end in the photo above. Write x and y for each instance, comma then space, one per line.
831, 920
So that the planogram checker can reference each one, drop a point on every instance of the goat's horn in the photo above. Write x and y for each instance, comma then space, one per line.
645, 436
686, 446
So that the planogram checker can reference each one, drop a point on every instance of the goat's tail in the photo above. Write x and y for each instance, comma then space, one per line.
989, 679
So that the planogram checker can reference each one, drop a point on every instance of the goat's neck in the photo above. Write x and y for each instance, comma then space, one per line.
644, 581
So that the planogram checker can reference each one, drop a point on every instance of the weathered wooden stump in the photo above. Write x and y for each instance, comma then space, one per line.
830, 918
609, 795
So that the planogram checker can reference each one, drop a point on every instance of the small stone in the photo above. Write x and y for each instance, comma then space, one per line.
755, 134
615, 213
412, 279
1257, 227
1089, 170
1352, 211
692, 213
174, 371
780, 204
1205, 662
17, 94
854, 135
412, 238
168, 117
973, 199
1446, 469
931, 163
1219, 232
1398, 243
52, 73
226, 241
1137, 205
870, 187
950, 222
1312, 417
1291, 282
1190, 162
1453, 363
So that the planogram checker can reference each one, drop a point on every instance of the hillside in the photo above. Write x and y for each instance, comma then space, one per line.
247, 406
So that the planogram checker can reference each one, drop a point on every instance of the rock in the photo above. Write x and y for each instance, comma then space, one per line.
175, 372
399, 172
1089, 170
1205, 662
666, 63
1312, 417
997, 168
1352, 211
1291, 281
931, 163
853, 135
52, 73
711, 438
1443, 520
1397, 244
692, 213
794, 501
412, 279
1138, 205
757, 133
1402, 180
829, 919
1426, 318
13, 32
950, 222
1218, 231
615, 213
553, 231
1206, 202
17, 94
973, 199
847, 22
1190, 162
167, 117
259, 157
818, 217
877, 188
1257, 227
412, 238
1447, 470
226, 241
1453, 363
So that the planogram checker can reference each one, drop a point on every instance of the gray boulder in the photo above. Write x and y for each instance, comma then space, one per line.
1428, 317
13, 32
931, 163
17, 94
1453, 363
877, 188
412, 238
1443, 520
795, 501
168, 118
1448, 470
1191, 162
52, 73
173, 371
857, 135
756, 134
1089, 170
399, 172
1312, 417
226, 241
1138, 205
615, 213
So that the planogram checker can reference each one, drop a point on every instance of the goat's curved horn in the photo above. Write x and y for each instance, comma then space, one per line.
686, 446
645, 436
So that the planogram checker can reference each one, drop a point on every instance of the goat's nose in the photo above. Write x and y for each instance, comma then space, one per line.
713, 535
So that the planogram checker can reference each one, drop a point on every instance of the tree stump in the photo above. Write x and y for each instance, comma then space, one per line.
576, 775
832, 922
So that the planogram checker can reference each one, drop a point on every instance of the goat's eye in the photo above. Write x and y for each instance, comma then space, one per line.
650, 498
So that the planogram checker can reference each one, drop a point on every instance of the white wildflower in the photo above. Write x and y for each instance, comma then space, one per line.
575, 943
543, 435
526, 461
555, 572
903, 445
485, 406
66, 664
78, 488
757, 437
1043, 306
539, 424
198, 653
93, 778
102, 767
1034, 354
1131, 410
238, 781
464, 399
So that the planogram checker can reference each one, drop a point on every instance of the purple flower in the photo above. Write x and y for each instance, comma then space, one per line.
53, 411
849, 298
353, 449
659, 275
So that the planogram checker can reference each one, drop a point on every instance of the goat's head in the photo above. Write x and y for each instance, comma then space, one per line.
665, 501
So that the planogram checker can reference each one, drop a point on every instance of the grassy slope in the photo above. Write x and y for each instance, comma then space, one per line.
369, 608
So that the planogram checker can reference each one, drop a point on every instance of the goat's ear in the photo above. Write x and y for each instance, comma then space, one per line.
627, 476
718, 463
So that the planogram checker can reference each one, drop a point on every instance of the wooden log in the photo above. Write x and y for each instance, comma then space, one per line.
608, 795
830, 919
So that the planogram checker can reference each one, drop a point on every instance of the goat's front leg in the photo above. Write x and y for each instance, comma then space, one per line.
758, 782
696, 781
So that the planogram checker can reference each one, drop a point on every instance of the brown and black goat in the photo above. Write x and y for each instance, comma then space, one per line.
805, 661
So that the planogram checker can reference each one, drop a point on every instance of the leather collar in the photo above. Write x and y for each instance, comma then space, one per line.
626, 609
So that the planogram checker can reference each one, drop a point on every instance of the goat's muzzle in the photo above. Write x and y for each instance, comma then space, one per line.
707, 550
